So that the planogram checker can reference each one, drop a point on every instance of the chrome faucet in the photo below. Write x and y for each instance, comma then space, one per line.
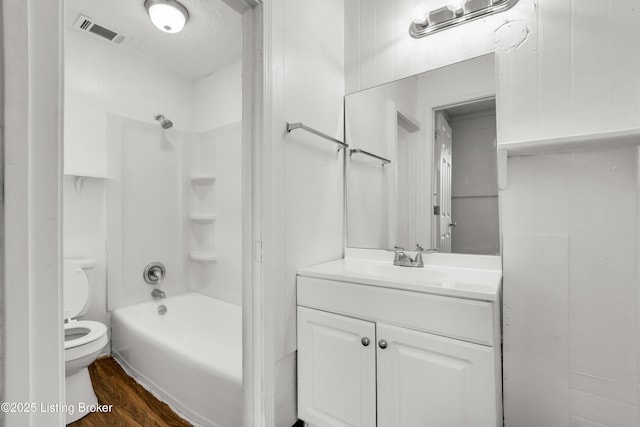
403, 260
157, 293
154, 273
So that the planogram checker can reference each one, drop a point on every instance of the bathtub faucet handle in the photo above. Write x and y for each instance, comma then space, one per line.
154, 273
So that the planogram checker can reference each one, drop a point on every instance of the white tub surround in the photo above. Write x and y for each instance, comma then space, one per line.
408, 345
190, 357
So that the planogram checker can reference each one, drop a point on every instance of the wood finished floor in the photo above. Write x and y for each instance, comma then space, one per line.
132, 405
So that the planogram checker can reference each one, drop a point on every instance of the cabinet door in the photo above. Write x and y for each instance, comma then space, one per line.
430, 381
336, 371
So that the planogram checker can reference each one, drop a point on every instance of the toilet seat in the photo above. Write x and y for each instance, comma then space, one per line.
90, 331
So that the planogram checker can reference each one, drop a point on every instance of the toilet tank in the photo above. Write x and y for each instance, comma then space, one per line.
77, 287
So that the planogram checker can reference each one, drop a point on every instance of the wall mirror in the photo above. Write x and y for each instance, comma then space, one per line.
422, 161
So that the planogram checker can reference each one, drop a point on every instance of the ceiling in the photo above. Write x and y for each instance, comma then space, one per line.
211, 39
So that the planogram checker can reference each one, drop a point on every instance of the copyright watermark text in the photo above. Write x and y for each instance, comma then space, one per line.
42, 407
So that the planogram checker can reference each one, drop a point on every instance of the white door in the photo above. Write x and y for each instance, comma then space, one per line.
425, 380
446, 224
336, 370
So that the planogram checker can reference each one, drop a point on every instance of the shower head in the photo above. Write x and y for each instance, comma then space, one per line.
164, 122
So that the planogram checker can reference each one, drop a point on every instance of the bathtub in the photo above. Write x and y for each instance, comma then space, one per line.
190, 357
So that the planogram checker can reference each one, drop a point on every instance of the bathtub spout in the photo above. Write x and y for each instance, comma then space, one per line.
157, 293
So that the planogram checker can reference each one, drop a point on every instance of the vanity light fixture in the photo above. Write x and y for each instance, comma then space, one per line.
455, 12
167, 15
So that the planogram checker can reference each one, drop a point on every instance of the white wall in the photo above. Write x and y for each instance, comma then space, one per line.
379, 49
551, 81
102, 78
85, 228
573, 73
303, 216
570, 224
218, 98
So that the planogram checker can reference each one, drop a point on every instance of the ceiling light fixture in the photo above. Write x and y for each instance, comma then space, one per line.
455, 12
167, 15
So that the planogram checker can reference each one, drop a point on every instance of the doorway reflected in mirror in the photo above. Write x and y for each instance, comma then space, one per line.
465, 179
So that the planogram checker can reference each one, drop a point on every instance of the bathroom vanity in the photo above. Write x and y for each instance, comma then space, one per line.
388, 346
397, 345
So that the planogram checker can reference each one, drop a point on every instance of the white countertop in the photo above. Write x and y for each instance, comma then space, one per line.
443, 274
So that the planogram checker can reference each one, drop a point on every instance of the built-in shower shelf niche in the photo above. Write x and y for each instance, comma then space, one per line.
203, 179
78, 179
202, 256
88, 175
202, 217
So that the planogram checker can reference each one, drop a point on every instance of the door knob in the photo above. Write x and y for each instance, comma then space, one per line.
365, 341
382, 344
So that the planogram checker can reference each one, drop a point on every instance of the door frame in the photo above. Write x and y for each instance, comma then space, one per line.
33, 332
255, 114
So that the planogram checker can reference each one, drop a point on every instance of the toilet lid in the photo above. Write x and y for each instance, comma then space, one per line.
76, 289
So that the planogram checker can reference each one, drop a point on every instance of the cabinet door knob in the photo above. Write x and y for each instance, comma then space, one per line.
365, 341
382, 344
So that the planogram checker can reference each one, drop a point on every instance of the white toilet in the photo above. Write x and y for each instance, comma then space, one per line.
83, 339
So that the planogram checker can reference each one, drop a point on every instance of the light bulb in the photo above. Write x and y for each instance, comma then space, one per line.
167, 18
455, 4
167, 15
420, 14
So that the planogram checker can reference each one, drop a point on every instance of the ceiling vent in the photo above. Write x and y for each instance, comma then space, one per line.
86, 24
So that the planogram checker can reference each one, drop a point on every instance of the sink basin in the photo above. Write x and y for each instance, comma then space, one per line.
392, 272
443, 274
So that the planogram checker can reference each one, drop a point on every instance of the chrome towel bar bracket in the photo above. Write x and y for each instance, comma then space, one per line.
298, 125
366, 153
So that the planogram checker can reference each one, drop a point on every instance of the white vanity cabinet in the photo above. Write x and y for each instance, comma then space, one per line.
425, 379
336, 372
389, 357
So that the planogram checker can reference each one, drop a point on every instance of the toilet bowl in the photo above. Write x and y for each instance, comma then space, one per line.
83, 340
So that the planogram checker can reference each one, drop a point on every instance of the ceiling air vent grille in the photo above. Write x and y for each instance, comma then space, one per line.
88, 25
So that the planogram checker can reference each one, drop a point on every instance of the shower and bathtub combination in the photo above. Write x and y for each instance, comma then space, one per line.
175, 298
